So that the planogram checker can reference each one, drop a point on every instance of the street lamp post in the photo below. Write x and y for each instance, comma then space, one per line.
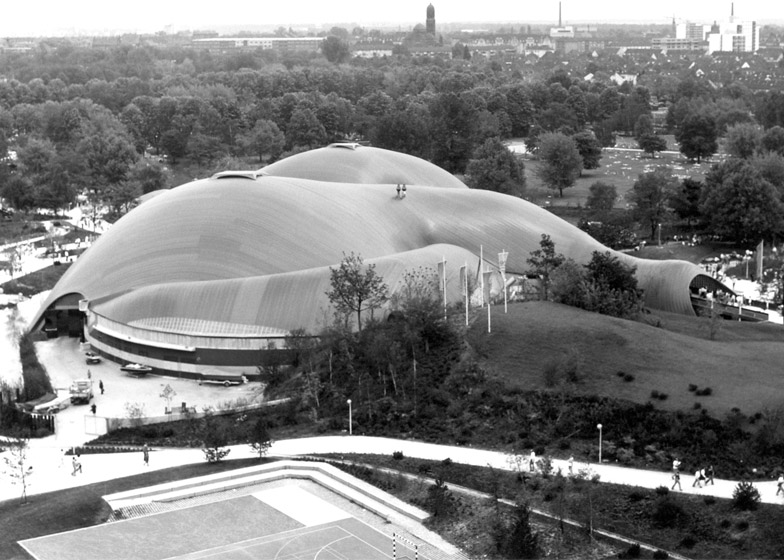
350, 429
600, 442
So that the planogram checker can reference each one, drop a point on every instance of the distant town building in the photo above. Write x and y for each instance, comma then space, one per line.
430, 22
282, 44
734, 36
693, 31
678, 44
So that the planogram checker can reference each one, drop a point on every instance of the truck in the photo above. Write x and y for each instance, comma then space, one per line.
81, 391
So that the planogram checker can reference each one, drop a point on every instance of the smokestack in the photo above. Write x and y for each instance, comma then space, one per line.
559, 14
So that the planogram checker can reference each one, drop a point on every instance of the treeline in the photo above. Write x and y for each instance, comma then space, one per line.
89, 117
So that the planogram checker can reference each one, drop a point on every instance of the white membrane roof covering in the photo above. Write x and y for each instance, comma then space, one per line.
217, 254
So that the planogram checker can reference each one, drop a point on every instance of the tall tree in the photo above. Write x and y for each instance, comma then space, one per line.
739, 204
356, 287
560, 161
259, 438
743, 140
335, 49
602, 197
495, 168
544, 261
644, 125
264, 138
685, 201
452, 132
650, 196
17, 461
697, 136
651, 143
773, 140
590, 149
304, 129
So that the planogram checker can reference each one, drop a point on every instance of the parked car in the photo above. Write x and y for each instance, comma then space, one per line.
92, 358
138, 370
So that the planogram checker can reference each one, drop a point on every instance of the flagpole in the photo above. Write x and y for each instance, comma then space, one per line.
444, 283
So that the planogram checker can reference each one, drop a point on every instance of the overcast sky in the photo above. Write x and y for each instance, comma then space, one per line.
57, 17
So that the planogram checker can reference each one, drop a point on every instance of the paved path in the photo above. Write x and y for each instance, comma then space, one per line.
50, 473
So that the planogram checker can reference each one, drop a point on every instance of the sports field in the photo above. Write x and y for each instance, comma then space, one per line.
283, 523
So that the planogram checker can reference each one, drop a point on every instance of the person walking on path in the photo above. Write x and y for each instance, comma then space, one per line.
676, 476
77, 466
146, 455
698, 478
571, 465
100, 385
532, 461
709, 473
780, 485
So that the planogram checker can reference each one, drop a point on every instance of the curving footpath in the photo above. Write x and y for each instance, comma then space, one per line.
52, 469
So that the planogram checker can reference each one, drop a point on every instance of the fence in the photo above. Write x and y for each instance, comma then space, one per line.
27, 420
181, 413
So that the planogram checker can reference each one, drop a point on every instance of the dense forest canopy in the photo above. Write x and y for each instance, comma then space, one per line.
108, 122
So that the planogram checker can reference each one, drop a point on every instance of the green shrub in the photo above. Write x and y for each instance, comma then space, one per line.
667, 513
742, 525
659, 554
628, 377
688, 541
633, 551
637, 495
692, 387
662, 490
709, 500
397, 455
745, 497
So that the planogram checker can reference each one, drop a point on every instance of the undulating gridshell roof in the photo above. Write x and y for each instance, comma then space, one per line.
256, 253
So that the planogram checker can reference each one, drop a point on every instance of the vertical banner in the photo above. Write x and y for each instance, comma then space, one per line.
486, 293
464, 288
442, 278
502, 267
760, 251
479, 272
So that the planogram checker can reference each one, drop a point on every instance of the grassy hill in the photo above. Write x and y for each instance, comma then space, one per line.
742, 366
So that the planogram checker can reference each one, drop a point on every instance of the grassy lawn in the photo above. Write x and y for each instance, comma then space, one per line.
75, 508
619, 168
737, 366
35, 282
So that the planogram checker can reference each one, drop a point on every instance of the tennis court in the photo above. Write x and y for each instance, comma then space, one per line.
280, 524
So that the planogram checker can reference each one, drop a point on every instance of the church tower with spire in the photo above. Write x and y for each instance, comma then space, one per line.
430, 22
